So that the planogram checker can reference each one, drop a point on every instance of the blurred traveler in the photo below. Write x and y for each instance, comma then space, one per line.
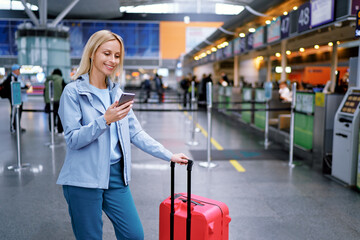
14, 76
159, 87
58, 85
185, 84
202, 90
284, 92
146, 87
97, 167
342, 87
224, 81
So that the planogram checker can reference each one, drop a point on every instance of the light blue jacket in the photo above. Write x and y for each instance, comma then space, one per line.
87, 161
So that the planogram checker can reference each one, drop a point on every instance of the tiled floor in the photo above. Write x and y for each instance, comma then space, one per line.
267, 201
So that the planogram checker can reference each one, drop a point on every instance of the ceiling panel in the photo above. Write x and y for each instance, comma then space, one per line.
109, 9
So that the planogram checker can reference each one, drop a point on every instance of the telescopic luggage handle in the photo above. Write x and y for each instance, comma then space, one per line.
172, 209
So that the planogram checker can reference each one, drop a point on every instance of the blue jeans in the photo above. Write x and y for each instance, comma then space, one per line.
86, 206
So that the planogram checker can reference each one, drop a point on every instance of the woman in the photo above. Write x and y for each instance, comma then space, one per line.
96, 171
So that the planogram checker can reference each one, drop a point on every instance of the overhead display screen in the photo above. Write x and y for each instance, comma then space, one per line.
351, 104
258, 37
322, 11
273, 33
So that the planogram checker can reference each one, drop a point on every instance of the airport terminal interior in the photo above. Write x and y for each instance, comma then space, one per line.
262, 95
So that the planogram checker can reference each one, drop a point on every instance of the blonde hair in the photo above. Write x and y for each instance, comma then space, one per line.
90, 48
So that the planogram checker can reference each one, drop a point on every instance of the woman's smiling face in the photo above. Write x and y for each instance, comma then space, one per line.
106, 58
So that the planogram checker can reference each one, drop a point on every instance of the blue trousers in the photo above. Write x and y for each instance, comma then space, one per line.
86, 206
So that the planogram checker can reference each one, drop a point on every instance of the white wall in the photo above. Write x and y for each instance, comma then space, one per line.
207, 69
247, 69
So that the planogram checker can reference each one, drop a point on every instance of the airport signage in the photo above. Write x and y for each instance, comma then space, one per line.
273, 32
322, 11
242, 45
357, 30
237, 42
259, 37
228, 50
355, 6
285, 26
304, 19
15, 93
250, 41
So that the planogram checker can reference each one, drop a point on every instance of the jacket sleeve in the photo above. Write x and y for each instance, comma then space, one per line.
144, 141
77, 135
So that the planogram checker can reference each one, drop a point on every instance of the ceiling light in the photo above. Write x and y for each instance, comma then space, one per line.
252, 30
285, 13
316, 46
330, 44
196, 58
337, 42
242, 35
208, 52
302, 49
277, 54
213, 49
295, 8
288, 52
267, 22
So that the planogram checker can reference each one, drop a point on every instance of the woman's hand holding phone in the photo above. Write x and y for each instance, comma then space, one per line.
117, 112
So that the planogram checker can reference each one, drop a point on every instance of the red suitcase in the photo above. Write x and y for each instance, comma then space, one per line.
203, 219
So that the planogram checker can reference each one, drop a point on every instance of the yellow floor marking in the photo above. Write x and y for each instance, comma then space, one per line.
201, 129
237, 166
216, 144
212, 140
235, 163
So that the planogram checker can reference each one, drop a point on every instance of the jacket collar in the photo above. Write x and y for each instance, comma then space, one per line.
83, 87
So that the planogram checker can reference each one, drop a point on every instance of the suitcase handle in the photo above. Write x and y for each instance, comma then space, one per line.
172, 209
192, 201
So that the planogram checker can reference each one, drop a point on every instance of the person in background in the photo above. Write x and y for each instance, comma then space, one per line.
202, 90
58, 86
185, 84
284, 92
342, 87
98, 132
159, 87
224, 81
14, 76
146, 87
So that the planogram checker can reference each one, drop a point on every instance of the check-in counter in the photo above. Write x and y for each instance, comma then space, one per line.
304, 120
247, 95
259, 116
326, 106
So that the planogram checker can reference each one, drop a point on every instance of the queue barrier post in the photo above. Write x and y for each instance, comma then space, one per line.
51, 97
52, 144
208, 164
268, 96
16, 102
266, 141
292, 126
193, 142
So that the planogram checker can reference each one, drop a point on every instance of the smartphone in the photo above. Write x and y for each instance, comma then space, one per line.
126, 97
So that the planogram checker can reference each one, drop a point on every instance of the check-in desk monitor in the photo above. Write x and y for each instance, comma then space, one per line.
345, 138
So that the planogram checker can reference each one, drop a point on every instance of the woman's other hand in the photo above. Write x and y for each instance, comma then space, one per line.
115, 113
180, 158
